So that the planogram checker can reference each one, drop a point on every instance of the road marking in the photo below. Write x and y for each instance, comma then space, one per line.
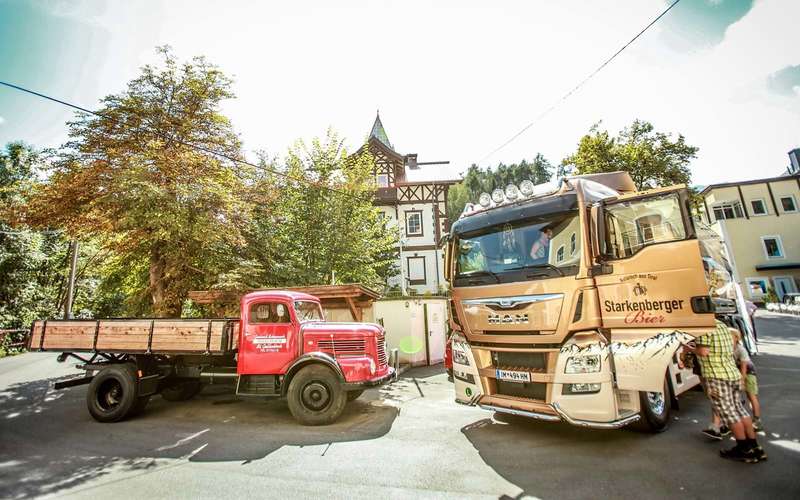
195, 452
182, 441
789, 445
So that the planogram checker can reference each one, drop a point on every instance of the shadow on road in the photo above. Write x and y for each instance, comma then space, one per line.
48, 441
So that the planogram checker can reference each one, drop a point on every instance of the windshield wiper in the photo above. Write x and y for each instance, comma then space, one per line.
483, 272
537, 266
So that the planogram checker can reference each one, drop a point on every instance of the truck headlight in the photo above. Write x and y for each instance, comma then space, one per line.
583, 364
460, 357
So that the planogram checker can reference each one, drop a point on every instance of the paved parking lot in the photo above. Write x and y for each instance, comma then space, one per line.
407, 439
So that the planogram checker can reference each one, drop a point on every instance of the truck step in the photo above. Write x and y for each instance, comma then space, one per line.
258, 385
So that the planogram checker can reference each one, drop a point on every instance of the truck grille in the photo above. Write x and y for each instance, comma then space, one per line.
530, 390
381, 339
342, 348
520, 360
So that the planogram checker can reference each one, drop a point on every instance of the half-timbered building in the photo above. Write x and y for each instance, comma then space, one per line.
412, 195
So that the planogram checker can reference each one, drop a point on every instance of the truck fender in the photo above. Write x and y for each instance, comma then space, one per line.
307, 359
641, 363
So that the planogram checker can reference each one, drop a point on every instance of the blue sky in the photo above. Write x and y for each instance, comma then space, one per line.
453, 80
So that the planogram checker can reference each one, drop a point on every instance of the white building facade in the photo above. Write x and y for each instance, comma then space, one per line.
412, 197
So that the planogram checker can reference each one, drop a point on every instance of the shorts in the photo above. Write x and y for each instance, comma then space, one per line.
726, 400
751, 385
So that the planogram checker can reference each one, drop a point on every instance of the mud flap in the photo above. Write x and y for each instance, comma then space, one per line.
640, 363
465, 372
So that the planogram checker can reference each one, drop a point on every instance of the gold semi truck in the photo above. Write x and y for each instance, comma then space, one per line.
570, 302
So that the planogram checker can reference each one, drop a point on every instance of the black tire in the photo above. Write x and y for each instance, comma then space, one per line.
113, 393
316, 395
353, 395
182, 391
655, 408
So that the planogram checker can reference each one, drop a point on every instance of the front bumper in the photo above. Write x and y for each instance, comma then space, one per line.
560, 416
380, 380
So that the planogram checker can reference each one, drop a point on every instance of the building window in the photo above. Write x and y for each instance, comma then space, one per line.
757, 286
773, 247
414, 223
759, 207
560, 254
573, 244
416, 270
728, 210
788, 204
382, 180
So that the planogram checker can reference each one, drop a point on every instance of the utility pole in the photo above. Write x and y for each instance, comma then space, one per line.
73, 246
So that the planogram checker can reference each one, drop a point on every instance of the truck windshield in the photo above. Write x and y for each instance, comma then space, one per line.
540, 248
308, 311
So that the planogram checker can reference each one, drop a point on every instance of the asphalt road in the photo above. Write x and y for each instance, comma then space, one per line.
404, 440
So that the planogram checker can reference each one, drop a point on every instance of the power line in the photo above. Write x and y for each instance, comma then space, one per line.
187, 144
579, 85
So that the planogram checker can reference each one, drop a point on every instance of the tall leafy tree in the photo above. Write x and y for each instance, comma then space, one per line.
651, 158
478, 180
322, 227
133, 179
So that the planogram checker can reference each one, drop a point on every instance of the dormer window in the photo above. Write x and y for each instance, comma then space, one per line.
382, 180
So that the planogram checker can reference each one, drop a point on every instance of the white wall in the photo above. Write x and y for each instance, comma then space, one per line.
404, 322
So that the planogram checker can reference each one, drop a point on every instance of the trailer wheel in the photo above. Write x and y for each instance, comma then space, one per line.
113, 393
655, 407
316, 396
182, 391
353, 395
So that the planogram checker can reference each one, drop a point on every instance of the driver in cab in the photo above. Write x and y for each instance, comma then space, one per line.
540, 247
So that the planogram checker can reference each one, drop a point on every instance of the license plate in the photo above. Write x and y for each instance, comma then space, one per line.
513, 376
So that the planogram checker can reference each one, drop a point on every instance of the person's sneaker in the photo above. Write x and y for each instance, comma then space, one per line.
736, 453
758, 454
713, 434
724, 431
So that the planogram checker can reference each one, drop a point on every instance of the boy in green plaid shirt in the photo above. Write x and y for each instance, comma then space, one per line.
714, 352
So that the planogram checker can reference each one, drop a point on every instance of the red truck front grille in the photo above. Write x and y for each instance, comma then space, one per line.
381, 349
343, 348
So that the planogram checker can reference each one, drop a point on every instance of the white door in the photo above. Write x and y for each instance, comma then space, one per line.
437, 319
784, 285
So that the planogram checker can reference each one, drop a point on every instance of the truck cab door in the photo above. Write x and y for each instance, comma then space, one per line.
269, 342
651, 283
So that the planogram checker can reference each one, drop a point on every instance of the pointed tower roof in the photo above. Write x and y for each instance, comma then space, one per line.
379, 133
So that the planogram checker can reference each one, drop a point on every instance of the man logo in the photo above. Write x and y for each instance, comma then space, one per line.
639, 290
507, 319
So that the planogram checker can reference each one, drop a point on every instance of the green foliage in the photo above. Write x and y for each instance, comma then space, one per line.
309, 236
169, 214
478, 180
652, 158
771, 297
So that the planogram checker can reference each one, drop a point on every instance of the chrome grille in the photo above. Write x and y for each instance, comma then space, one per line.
341, 348
381, 340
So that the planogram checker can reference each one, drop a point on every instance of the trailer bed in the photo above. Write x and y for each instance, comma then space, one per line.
147, 336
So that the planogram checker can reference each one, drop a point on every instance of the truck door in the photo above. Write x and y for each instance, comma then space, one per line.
270, 341
651, 283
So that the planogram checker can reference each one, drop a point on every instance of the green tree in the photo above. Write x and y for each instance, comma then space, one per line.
321, 227
169, 214
478, 180
651, 158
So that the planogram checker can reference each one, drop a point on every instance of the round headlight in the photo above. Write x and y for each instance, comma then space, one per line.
512, 192
497, 195
485, 200
526, 187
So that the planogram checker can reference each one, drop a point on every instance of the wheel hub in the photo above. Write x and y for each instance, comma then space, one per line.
315, 396
109, 395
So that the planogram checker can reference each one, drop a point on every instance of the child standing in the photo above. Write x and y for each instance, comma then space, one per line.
748, 370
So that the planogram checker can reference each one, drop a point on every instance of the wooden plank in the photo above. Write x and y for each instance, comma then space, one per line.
356, 312
68, 335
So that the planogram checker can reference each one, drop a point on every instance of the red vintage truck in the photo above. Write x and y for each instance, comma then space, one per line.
280, 346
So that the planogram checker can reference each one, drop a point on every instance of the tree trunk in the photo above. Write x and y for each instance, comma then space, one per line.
157, 267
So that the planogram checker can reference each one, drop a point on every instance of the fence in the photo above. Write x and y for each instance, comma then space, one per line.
13, 340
